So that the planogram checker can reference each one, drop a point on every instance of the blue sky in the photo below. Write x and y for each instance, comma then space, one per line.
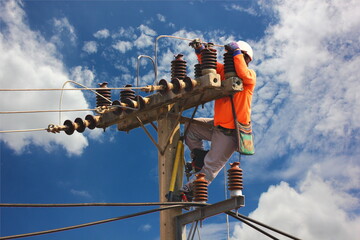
303, 179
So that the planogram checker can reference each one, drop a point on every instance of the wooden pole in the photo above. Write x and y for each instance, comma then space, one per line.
168, 126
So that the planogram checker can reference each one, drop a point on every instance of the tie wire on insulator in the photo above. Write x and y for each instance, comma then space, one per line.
174, 37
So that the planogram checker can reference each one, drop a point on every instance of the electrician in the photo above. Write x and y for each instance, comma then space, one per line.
222, 135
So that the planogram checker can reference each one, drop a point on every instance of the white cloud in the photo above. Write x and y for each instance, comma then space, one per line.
103, 33
144, 41
236, 7
81, 193
306, 87
90, 47
27, 60
161, 17
145, 227
122, 46
146, 30
83, 75
63, 29
127, 33
315, 211
306, 120
146, 37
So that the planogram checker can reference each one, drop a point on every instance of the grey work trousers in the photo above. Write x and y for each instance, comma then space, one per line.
222, 147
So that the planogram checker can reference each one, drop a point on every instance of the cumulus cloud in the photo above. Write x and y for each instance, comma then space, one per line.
146, 37
306, 87
127, 33
161, 17
122, 46
63, 30
302, 212
82, 75
90, 47
27, 60
236, 7
306, 120
145, 227
103, 33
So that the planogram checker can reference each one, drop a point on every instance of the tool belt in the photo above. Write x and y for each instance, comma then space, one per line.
226, 131
243, 128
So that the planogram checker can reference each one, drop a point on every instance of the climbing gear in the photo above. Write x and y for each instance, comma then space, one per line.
243, 134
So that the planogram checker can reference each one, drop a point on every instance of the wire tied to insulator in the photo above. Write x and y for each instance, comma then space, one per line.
208, 59
178, 67
103, 98
55, 128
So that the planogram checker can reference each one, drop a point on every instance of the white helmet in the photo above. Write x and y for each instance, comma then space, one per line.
245, 47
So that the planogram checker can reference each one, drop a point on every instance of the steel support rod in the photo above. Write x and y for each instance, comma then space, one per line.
207, 211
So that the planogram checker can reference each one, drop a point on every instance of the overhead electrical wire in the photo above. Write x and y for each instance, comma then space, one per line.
90, 223
23, 130
47, 111
64, 89
55, 205
170, 205
247, 221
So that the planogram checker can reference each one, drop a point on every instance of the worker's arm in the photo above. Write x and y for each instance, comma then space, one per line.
247, 75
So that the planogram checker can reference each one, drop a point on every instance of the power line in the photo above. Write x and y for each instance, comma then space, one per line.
35, 205
245, 220
47, 111
90, 223
63, 89
24, 130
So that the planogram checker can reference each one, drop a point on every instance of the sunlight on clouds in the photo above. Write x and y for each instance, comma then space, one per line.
145, 227
82, 75
123, 46
27, 60
104, 33
90, 47
306, 116
146, 37
161, 17
63, 30
316, 80
303, 213
236, 7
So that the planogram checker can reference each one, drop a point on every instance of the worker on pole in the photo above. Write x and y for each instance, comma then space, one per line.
223, 131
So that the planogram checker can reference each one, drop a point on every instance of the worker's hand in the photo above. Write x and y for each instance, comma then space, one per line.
233, 48
197, 45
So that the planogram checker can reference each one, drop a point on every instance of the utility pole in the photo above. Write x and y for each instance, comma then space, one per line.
165, 108
168, 136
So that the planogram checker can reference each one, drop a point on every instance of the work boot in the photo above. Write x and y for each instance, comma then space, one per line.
198, 156
187, 194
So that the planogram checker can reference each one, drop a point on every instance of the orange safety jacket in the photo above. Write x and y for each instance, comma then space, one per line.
223, 115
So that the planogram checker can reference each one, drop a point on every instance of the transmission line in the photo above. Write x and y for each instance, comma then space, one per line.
247, 221
90, 223
44, 205
47, 111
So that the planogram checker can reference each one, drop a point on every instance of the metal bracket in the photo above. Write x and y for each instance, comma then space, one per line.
207, 211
